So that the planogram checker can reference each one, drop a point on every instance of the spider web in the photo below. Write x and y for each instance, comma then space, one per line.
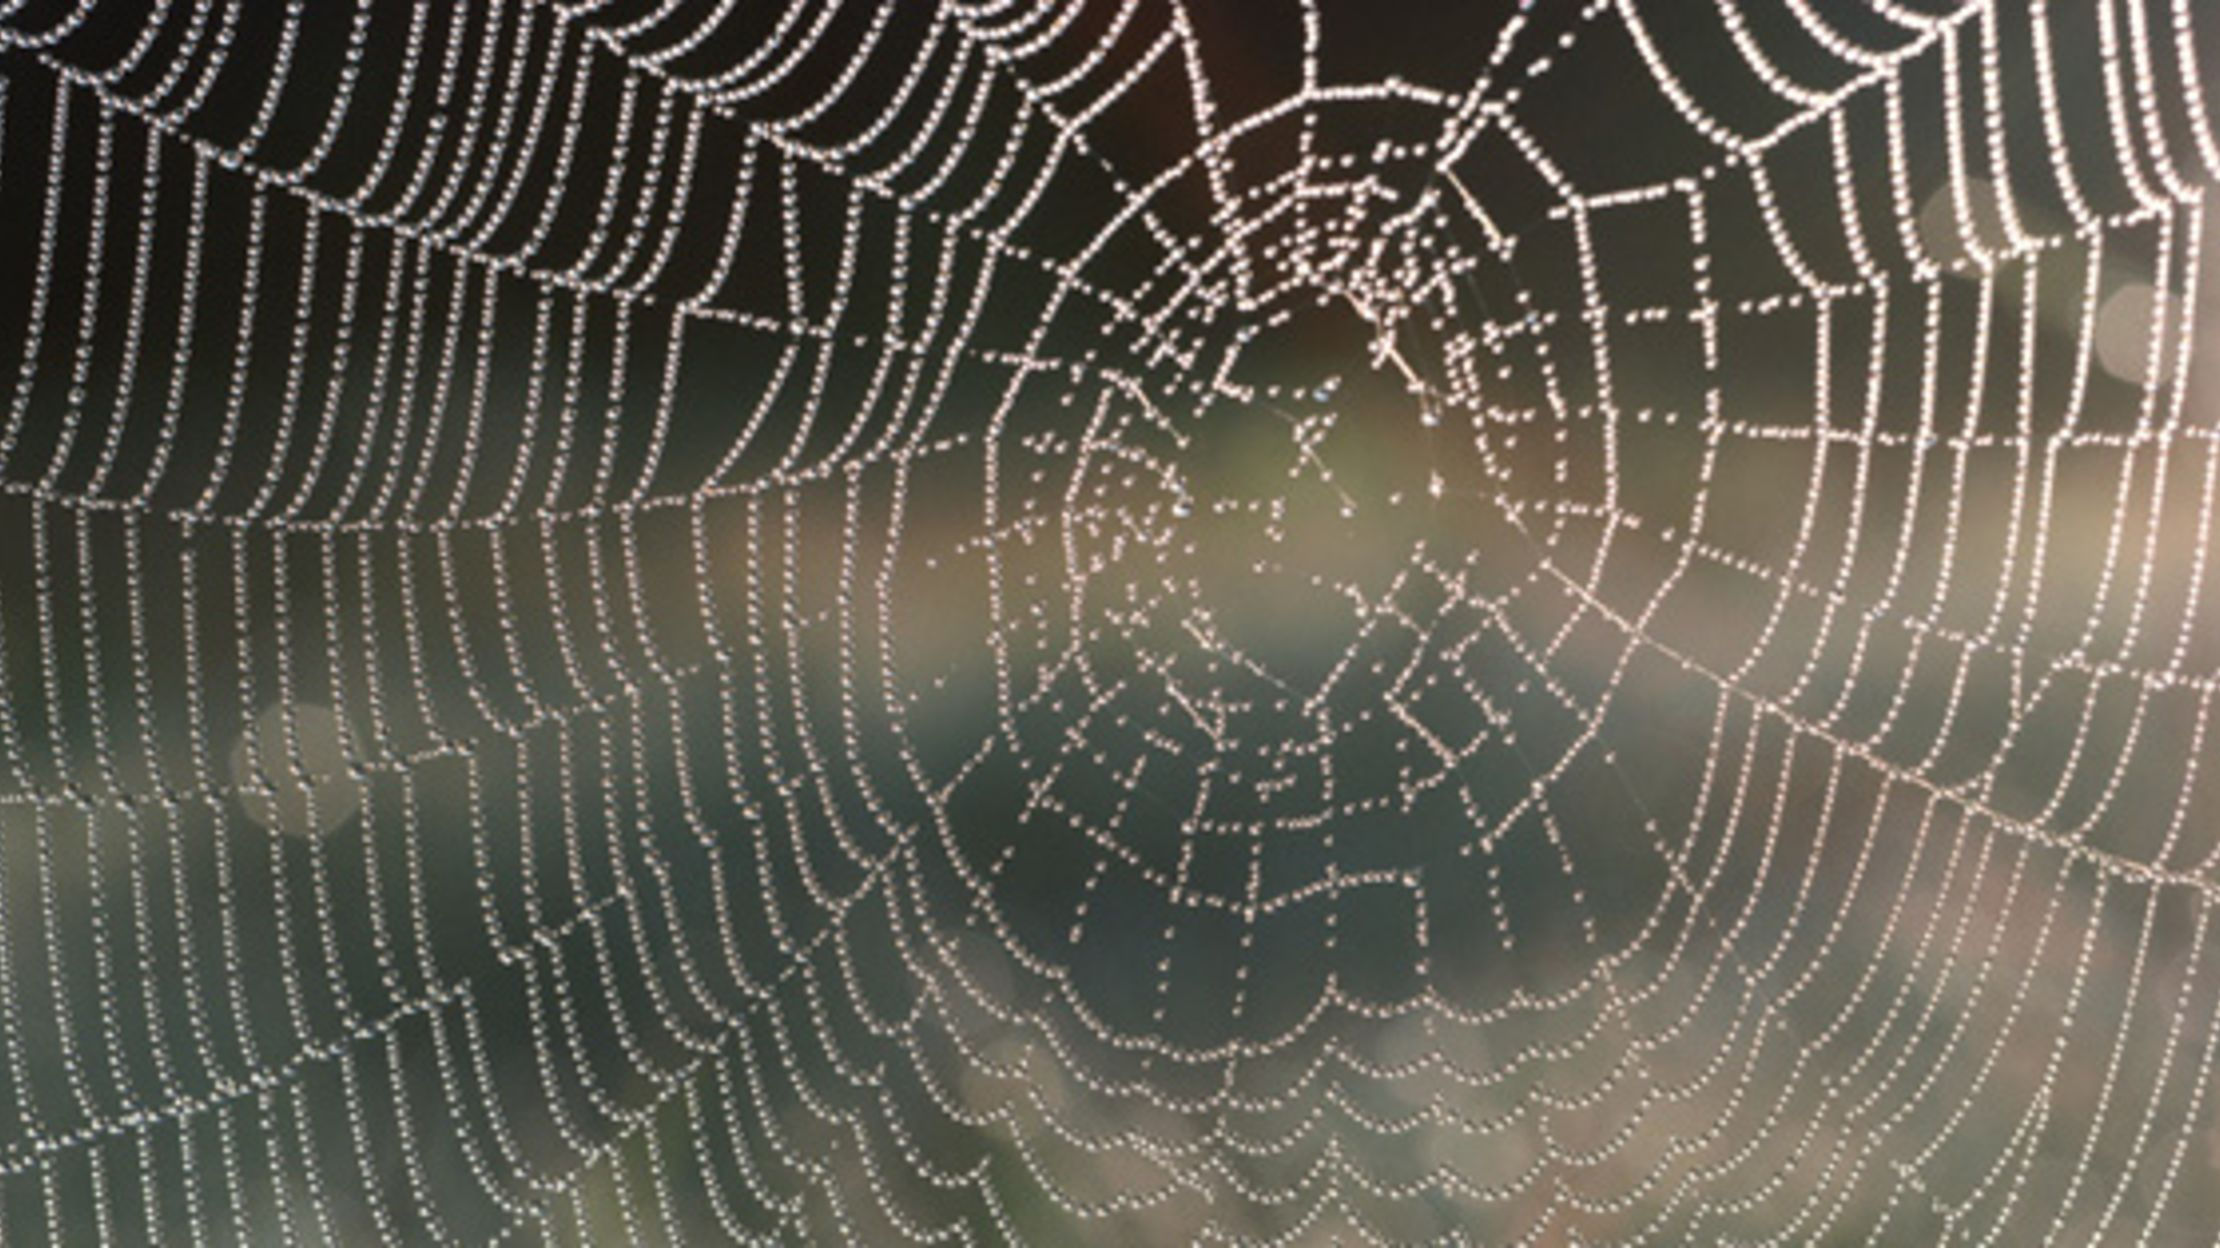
1107, 620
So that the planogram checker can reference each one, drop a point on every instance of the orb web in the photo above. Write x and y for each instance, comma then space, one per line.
1115, 621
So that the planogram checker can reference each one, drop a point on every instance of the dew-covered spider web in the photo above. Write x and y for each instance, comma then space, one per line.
1108, 621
